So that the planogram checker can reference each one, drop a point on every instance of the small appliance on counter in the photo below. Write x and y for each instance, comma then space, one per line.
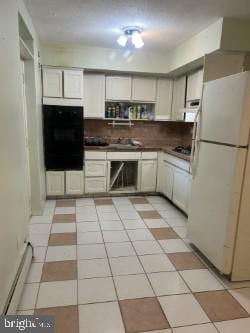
95, 141
183, 150
63, 137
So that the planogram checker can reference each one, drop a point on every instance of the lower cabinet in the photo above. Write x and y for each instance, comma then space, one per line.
181, 189
95, 168
168, 180
174, 180
148, 175
95, 184
74, 182
55, 182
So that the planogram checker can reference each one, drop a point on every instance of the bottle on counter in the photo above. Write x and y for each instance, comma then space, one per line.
126, 112
113, 113
138, 112
117, 111
133, 112
122, 112
108, 112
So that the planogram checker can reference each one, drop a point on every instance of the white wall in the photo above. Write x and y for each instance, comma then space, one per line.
14, 216
190, 51
105, 58
207, 41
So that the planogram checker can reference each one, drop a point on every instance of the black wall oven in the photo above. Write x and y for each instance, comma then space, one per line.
63, 137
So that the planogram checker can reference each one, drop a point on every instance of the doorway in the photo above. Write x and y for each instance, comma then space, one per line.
26, 133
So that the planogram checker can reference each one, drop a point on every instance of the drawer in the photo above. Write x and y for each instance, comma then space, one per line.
126, 155
178, 162
149, 155
95, 168
95, 184
95, 155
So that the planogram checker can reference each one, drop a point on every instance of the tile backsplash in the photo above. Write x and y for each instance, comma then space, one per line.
150, 133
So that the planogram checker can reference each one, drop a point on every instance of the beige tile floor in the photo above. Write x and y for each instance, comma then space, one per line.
113, 265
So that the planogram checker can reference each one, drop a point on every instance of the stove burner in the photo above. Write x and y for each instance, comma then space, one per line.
183, 149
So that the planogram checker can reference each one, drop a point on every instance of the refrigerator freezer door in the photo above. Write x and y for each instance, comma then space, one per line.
214, 203
225, 116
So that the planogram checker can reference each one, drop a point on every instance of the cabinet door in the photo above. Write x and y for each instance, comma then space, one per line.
164, 99
95, 168
144, 89
52, 82
194, 85
94, 96
95, 184
74, 182
179, 93
167, 180
118, 88
148, 175
181, 189
55, 182
73, 83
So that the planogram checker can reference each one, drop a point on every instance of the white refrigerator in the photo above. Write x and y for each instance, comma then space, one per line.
219, 209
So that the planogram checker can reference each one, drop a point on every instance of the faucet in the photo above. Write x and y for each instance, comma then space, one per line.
120, 139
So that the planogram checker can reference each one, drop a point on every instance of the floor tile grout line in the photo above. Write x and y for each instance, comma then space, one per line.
35, 307
225, 289
150, 284
112, 277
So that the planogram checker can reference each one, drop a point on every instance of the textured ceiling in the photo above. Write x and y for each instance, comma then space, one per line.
166, 23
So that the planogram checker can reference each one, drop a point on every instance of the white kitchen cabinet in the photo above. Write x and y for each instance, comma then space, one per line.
164, 99
179, 94
144, 89
52, 82
74, 182
73, 83
55, 182
95, 168
118, 88
95, 184
94, 95
148, 175
167, 179
181, 188
194, 85
62, 83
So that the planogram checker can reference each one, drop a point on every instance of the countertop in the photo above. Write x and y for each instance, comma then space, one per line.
166, 149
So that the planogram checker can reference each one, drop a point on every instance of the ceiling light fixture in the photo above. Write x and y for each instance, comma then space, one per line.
133, 34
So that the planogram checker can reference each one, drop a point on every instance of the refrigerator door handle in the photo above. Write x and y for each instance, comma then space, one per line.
196, 136
195, 142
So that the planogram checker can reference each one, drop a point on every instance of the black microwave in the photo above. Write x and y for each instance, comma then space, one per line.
63, 137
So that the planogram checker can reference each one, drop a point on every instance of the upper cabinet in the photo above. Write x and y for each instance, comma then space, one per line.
144, 89
63, 83
194, 85
179, 94
118, 88
94, 95
73, 83
52, 82
164, 99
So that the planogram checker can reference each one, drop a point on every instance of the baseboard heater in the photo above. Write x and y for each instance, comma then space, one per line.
17, 287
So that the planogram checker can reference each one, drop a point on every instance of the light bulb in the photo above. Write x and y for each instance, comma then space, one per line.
122, 40
137, 40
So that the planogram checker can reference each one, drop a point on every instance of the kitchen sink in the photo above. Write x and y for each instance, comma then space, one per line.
121, 146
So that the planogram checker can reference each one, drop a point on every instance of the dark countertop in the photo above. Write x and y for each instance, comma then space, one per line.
166, 149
